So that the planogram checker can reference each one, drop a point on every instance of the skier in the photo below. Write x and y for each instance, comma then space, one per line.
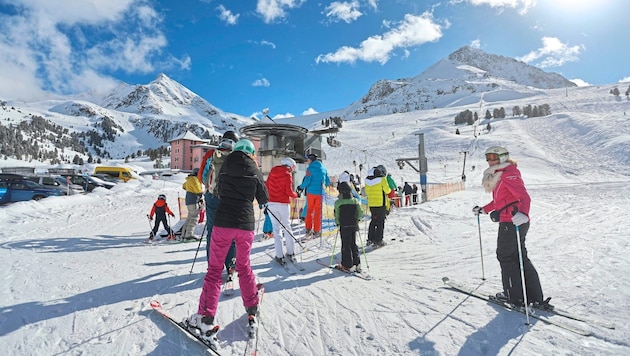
408, 192
377, 190
194, 198
314, 183
267, 226
348, 212
347, 177
208, 173
160, 209
239, 183
510, 207
280, 188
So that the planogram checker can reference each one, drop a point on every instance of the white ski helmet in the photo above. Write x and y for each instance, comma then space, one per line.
501, 152
289, 162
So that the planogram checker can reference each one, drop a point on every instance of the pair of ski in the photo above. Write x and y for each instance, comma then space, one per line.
251, 347
291, 267
544, 318
361, 275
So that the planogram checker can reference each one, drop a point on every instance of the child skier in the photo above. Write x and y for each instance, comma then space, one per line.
348, 212
160, 209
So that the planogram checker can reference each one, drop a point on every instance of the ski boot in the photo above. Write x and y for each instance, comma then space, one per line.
203, 326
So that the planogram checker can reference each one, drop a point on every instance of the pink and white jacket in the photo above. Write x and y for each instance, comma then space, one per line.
505, 182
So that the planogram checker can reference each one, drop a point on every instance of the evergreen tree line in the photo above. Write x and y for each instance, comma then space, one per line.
615, 91
469, 117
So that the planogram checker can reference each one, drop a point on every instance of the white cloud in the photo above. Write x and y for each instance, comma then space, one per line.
65, 46
343, 11
554, 53
373, 4
261, 83
283, 116
524, 5
475, 43
624, 80
227, 16
272, 10
264, 43
310, 111
412, 31
580, 82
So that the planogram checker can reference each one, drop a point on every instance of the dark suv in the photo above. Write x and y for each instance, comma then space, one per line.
12, 190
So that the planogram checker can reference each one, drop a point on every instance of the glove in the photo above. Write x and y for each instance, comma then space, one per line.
150, 218
519, 219
478, 210
171, 214
262, 206
299, 191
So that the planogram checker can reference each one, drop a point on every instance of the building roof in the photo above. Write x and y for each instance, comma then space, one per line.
187, 136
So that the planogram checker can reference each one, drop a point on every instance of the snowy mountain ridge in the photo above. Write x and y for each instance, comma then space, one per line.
466, 76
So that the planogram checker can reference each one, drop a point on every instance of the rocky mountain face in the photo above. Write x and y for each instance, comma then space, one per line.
466, 76
130, 118
135, 117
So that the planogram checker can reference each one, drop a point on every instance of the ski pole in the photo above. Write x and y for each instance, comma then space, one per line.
483, 273
150, 227
520, 261
363, 248
285, 228
332, 256
205, 226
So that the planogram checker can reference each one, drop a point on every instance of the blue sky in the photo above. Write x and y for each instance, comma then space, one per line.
294, 56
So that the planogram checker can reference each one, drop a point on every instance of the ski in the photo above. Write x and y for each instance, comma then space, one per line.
284, 265
562, 313
297, 265
361, 275
158, 308
473, 293
251, 348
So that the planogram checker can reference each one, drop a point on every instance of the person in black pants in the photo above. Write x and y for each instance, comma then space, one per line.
348, 212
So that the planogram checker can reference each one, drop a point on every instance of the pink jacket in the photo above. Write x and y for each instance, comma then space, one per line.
509, 189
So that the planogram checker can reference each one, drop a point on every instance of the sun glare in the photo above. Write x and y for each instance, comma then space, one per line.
576, 5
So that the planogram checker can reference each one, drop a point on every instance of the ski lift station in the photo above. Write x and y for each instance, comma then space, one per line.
276, 141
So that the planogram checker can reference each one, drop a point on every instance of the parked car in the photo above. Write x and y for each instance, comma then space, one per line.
13, 190
100, 182
6, 176
58, 182
107, 178
74, 188
88, 182
123, 173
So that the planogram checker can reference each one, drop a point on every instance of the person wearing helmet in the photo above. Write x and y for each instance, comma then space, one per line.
280, 188
194, 197
348, 212
208, 173
510, 208
239, 183
315, 181
377, 191
160, 209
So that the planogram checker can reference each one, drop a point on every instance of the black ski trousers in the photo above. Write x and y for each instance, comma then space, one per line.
349, 249
507, 254
377, 224
161, 218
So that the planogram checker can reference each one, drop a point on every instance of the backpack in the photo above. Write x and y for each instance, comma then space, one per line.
214, 168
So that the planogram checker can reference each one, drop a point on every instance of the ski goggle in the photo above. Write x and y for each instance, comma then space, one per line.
491, 157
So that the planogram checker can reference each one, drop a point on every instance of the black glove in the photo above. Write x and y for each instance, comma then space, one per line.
478, 210
299, 190
171, 214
